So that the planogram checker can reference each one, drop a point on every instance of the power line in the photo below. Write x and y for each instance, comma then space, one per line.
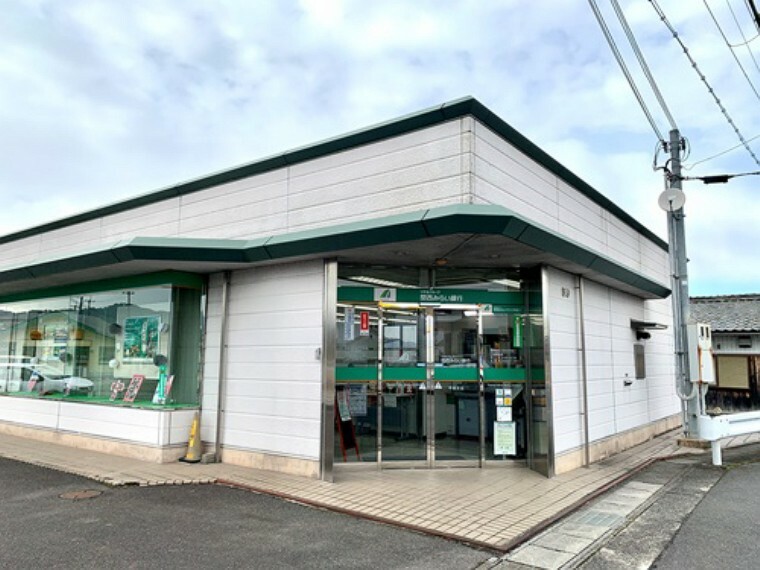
624, 68
693, 164
753, 12
701, 75
642, 62
741, 31
733, 53
719, 178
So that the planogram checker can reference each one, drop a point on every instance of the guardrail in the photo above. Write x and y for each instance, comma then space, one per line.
715, 428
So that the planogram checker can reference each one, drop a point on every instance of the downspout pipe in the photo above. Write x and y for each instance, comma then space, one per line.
222, 369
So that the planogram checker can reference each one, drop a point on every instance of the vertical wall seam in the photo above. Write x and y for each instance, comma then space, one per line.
222, 367
584, 372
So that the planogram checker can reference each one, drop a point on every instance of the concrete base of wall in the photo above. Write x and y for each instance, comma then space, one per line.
602, 449
258, 460
694, 443
93, 443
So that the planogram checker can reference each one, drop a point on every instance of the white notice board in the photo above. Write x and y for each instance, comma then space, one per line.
504, 438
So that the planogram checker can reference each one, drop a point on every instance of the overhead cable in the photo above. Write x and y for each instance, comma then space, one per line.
642, 62
701, 75
753, 12
719, 178
733, 53
693, 164
741, 31
624, 68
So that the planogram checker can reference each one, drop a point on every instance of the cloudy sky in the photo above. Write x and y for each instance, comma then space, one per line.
105, 100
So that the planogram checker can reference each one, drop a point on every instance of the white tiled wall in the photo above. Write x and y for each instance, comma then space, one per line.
613, 406
272, 399
504, 176
158, 428
412, 172
457, 162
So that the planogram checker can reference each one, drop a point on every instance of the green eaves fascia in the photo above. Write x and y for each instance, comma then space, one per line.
447, 220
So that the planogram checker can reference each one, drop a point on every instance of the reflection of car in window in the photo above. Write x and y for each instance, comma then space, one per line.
26, 377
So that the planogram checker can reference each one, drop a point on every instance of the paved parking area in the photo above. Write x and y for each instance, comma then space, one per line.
46, 523
495, 507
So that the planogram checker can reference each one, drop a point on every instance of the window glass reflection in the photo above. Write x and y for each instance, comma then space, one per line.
115, 347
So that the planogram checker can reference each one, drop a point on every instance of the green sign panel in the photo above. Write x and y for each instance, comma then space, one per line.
500, 302
431, 296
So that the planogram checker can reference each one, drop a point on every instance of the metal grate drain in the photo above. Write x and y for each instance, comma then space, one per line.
79, 495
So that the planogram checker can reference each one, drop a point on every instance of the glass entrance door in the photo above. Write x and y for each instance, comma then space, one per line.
423, 383
457, 393
431, 385
403, 381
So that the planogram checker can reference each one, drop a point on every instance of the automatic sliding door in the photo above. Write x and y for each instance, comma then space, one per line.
404, 414
457, 398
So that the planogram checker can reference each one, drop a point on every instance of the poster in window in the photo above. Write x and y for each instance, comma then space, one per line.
504, 440
348, 325
141, 338
134, 387
357, 399
116, 389
343, 409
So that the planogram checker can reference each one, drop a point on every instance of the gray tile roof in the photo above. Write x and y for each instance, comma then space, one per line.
739, 313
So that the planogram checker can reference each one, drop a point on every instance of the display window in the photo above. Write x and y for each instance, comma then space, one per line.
132, 346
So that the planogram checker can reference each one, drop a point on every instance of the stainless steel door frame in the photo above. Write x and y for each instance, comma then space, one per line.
430, 384
429, 389
380, 382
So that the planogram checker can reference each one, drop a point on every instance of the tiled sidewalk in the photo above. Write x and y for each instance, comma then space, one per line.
492, 507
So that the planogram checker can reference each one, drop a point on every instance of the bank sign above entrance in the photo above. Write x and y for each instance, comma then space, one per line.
389, 295
502, 301
385, 294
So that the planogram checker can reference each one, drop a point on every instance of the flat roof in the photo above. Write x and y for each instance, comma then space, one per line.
467, 106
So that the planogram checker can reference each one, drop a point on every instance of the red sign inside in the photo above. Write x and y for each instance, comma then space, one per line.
364, 323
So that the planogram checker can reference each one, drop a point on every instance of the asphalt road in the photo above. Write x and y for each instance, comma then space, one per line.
704, 517
205, 526
723, 531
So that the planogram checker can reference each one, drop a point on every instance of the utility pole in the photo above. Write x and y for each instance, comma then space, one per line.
672, 202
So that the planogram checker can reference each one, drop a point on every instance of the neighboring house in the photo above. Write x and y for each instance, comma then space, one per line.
456, 294
735, 323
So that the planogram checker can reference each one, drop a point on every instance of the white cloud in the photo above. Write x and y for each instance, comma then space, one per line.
106, 100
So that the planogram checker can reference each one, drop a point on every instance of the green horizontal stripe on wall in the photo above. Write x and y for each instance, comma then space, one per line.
355, 373
404, 374
444, 374
454, 373
506, 374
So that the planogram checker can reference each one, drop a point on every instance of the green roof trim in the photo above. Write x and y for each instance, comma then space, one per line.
448, 220
459, 108
401, 227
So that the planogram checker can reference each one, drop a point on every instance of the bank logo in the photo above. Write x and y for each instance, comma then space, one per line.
385, 294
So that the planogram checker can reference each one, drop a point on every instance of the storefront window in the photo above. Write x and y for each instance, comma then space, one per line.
356, 384
136, 347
